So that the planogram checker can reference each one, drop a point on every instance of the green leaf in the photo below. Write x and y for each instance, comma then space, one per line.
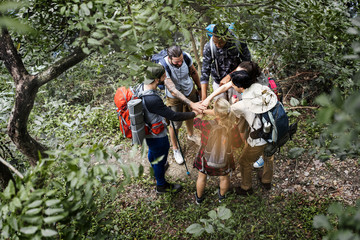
85, 9
90, 5
36, 220
13, 223
295, 152
5, 232
336, 208
323, 100
224, 213
195, 229
33, 211
294, 102
9, 190
212, 214
35, 204
325, 115
125, 27
48, 232
52, 202
86, 50
93, 41
209, 228
29, 230
17, 203
51, 211
321, 221
53, 219
186, 33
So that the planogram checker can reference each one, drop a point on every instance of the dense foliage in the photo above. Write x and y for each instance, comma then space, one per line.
64, 195
302, 43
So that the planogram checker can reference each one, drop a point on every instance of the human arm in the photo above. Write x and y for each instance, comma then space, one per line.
218, 91
225, 80
155, 105
195, 76
169, 84
205, 70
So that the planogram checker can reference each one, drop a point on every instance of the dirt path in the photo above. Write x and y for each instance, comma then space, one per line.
334, 179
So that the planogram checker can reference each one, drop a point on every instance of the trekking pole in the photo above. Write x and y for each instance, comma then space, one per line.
177, 139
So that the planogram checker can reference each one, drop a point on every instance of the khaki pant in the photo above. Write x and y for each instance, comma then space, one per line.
178, 106
248, 156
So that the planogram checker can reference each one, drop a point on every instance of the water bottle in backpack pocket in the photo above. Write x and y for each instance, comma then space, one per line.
279, 131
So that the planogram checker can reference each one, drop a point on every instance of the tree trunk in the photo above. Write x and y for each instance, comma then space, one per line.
196, 53
26, 91
27, 86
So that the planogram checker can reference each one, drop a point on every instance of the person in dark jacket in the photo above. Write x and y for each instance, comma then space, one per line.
154, 111
221, 55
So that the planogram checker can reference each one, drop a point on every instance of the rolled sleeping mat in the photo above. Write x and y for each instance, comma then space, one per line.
136, 115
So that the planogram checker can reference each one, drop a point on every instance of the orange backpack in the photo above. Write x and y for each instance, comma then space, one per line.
122, 97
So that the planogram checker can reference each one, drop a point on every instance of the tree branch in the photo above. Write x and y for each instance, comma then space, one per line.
11, 168
60, 66
10, 56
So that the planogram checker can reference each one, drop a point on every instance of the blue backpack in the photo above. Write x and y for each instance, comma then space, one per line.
159, 58
275, 129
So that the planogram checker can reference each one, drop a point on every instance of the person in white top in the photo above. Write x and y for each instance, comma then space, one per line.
256, 99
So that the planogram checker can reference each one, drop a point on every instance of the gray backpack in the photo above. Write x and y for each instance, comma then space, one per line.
218, 148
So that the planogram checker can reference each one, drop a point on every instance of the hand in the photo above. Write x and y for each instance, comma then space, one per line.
225, 80
206, 103
197, 113
197, 106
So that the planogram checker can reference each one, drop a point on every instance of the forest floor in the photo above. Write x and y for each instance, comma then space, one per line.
333, 179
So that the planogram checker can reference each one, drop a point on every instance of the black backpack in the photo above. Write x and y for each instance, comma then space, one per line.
218, 148
278, 131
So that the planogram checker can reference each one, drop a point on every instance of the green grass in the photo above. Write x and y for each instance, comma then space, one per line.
253, 217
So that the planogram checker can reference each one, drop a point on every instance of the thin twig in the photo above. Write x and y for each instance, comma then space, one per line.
301, 107
11, 168
289, 91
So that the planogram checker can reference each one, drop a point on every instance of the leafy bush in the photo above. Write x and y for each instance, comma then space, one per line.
340, 223
65, 195
216, 220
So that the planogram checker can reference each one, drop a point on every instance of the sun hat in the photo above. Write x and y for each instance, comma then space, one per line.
152, 73
259, 98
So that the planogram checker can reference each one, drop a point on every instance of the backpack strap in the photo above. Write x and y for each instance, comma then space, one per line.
213, 53
167, 68
186, 59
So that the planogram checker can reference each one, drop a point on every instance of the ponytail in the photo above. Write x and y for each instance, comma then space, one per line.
222, 109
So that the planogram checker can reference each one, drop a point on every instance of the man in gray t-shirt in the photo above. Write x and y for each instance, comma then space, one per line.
181, 94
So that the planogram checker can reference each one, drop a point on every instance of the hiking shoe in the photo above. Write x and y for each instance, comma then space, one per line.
221, 197
266, 186
195, 139
259, 163
168, 187
199, 200
178, 157
242, 192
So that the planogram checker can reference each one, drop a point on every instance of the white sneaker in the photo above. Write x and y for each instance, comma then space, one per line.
195, 139
259, 163
178, 157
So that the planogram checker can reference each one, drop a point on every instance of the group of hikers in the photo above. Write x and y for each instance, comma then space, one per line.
239, 96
